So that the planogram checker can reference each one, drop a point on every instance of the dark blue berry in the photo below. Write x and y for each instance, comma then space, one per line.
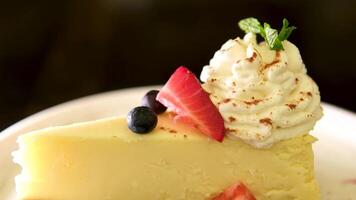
149, 100
141, 120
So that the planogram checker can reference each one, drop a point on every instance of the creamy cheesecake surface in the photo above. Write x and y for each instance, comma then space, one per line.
105, 160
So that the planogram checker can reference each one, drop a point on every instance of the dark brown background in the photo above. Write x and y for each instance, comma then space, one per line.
58, 50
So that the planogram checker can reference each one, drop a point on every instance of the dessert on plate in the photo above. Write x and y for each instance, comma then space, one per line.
241, 135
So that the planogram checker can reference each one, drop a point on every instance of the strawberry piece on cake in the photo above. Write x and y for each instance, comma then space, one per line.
185, 96
238, 191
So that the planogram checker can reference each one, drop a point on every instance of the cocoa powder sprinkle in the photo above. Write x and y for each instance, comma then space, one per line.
266, 121
291, 106
253, 102
226, 100
266, 66
306, 93
231, 130
275, 61
251, 59
232, 119
167, 129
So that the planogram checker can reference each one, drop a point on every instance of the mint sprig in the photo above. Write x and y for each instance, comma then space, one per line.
286, 31
270, 35
250, 25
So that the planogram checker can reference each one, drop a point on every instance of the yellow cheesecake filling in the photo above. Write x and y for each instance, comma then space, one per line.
104, 160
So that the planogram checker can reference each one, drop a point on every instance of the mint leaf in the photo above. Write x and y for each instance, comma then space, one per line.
285, 31
263, 32
250, 25
271, 37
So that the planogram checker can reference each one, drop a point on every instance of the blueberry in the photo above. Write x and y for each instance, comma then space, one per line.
149, 100
141, 119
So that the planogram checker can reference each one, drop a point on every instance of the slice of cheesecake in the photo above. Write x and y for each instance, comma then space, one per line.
105, 160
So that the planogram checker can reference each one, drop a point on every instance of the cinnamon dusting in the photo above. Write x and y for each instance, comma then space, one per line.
226, 100
291, 106
232, 119
306, 93
253, 102
275, 61
251, 59
231, 130
266, 121
167, 129
172, 131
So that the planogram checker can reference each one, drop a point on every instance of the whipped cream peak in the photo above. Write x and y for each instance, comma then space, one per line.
263, 95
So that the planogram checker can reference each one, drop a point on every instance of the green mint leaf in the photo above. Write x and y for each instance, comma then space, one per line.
270, 35
262, 32
285, 31
250, 25
271, 38
285, 22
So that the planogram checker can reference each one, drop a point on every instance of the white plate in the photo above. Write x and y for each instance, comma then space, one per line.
335, 152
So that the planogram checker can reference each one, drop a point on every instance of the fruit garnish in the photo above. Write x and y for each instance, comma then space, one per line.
238, 191
150, 101
141, 120
270, 35
184, 95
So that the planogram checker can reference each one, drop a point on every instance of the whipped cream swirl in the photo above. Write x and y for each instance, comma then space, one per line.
264, 95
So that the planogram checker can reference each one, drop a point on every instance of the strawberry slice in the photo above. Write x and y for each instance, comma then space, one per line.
238, 191
185, 96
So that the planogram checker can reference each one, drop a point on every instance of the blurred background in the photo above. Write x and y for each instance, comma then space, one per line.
55, 51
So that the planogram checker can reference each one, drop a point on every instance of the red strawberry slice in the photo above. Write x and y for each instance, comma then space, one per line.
238, 191
185, 96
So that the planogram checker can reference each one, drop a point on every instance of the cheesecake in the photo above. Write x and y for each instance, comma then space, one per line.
241, 134
105, 160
